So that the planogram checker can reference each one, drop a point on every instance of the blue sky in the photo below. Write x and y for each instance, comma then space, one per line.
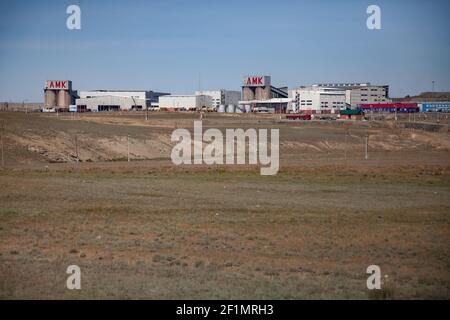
169, 45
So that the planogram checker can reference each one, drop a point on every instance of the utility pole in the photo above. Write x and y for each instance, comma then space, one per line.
1, 142
367, 147
395, 116
76, 148
128, 148
346, 145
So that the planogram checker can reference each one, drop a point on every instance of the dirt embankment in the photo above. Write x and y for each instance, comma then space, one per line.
48, 138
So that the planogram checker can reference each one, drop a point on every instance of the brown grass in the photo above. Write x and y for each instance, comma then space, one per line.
147, 229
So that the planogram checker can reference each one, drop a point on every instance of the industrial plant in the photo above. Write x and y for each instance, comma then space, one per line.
257, 95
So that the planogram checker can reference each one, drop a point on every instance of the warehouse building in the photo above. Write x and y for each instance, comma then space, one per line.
351, 114
259, 95
113, 100
315, 99
184, 102
360, 93
367, 95
221, 97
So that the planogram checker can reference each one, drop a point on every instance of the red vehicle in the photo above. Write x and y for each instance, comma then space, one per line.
298, 117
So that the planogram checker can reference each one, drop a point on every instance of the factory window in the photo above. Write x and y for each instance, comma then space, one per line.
108, 108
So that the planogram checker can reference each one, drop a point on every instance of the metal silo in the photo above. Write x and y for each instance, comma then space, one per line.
63, 98
248, 108
68, 99
230, 108
50, 98
221, 108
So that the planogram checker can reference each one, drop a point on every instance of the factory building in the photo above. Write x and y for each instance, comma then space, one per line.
361, 93
259, 95
184, 102
221, 97
367, 95
58, 94
113, 100
315, 99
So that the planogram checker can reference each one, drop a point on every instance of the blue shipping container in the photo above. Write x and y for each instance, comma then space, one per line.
435, 106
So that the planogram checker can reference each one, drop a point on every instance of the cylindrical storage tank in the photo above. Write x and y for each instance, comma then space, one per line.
221, 108
230, 108
50, 98
248, 108
63, 99
68, 99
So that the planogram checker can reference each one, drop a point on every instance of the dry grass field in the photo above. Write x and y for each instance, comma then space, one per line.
147, 229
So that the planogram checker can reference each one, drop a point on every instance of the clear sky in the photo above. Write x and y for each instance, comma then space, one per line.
170, 45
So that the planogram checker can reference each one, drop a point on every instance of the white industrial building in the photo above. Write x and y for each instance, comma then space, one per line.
221, 97
314, 99
360, 93
184, 102
106, 100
